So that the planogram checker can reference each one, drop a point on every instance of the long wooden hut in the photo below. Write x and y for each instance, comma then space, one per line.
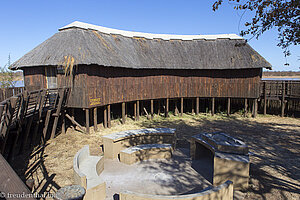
105, 66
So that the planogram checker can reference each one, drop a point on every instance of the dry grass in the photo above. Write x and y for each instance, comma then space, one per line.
274, 142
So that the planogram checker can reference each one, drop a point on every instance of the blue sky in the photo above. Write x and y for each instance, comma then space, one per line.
27, 23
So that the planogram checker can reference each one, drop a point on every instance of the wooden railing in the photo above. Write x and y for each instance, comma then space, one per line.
9, 92
276, 90
19, 112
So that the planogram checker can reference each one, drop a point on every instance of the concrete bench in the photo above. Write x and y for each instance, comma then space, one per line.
230, 157
115, 142
221, 192
87, 169
145, 152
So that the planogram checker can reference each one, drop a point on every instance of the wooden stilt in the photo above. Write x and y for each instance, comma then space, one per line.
123, 113
193, 106
57, 113
176, 112
87, 120
245, 107
137, 110
105, 117
45, 129
213, 106
142, 108
72, 115
167, 108
254, 108
181, 106
134, 110
108, 116
197, 105
283, 100
63, 125
158, 108
228, 106
95, 120
152, 109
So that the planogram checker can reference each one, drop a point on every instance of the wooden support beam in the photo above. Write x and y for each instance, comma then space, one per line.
87, 120
158, 108
245, 107
61, 94
6, 123
27, 132
213, 106
105, 117
228, 106
74, 122
39, 107
63, 124
123, 113
108, 117
95, 120
176, 111
134, 111
181, 106
152, 109
265, 98
137, 110
167, 108
72, 115
254, 108
283, 99
193, 106
197, 105
45, 129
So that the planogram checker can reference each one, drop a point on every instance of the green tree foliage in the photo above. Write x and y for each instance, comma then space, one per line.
7, 77
283, 15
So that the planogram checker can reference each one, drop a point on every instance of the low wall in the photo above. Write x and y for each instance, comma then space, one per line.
221, 192
95, 192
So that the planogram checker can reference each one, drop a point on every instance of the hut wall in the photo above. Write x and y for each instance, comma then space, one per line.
34, 78
108, 85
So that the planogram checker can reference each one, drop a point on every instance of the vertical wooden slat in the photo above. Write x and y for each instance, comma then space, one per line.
6, 124
108, 116
152, 109
265, 98
61, 94
87, 120
95, 119
283, 99
197, 105
213, 106
47, 120
123, 113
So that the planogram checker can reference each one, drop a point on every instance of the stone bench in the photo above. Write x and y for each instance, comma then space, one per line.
230, 157
221, 192
145, 152
87, 169
115, 142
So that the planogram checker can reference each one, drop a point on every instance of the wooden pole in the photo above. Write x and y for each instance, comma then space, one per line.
158, 108
176, 108
213, 106
228, 106
72, 115
74, 122
123, 113
63, 125
197, 105
193, 106
181, 106
87, 120
137, 110
283, 99
95, 120
167, 108
152, 109
134, 110
265, 98
108, 116
246, 107
254, 108
105, 117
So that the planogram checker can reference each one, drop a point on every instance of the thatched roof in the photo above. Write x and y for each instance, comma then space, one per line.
86, 44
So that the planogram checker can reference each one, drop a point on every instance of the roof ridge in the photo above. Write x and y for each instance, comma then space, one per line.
87, 26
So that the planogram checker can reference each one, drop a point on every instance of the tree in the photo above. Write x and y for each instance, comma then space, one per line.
7, 77
283, 15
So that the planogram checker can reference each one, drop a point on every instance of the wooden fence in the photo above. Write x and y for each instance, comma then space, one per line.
9, 92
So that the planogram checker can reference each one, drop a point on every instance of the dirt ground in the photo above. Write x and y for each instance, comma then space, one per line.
274, 145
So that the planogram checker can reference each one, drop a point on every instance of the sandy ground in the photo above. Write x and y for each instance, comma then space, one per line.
274, 144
